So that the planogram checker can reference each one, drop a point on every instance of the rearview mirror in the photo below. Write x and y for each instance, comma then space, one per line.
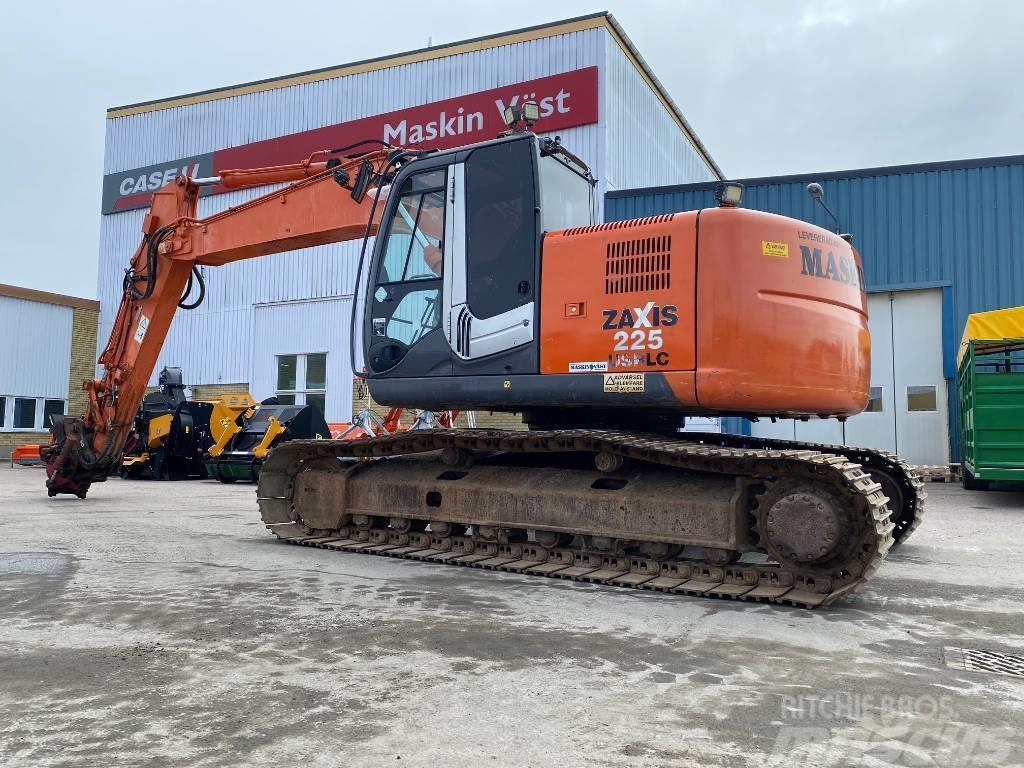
363, 179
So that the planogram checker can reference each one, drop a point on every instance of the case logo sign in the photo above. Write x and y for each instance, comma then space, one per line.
624, 382
772, 248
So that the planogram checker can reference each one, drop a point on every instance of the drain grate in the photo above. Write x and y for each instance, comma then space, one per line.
981, 660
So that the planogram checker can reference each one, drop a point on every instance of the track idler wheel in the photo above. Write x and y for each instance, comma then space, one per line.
804, 524
313, 496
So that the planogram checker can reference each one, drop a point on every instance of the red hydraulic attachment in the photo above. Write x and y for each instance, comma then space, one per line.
316, 209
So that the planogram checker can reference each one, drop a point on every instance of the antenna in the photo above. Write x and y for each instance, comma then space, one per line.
814, 189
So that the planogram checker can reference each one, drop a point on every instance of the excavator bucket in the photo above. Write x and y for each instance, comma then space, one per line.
266, 427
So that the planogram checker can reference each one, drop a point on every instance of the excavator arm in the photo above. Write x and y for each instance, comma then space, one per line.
327, 202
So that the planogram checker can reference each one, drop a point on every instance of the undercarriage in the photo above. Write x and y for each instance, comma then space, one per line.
714, 515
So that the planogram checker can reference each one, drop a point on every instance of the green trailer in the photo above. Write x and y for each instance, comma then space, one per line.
990, 384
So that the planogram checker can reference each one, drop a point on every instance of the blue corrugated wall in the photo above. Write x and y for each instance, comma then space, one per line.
959, 225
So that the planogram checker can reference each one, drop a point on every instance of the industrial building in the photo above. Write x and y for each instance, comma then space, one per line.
280, 325
48, 350
938, 241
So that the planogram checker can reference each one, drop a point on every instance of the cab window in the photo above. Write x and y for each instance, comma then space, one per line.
501, 227
415, 247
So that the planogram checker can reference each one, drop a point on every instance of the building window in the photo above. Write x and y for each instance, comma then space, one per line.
24, 413
287, 367
874, 401
302, 380
922, 398
52, 408
30, 414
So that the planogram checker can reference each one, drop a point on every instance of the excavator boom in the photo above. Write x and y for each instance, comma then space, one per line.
316, 208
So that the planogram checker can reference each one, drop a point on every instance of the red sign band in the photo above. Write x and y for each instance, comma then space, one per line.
566, 100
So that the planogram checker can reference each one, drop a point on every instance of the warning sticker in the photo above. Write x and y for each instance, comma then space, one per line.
599, 365
771, 248
624, 382
140, 332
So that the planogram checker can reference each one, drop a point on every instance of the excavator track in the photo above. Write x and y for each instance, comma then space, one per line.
813, 525
900, 482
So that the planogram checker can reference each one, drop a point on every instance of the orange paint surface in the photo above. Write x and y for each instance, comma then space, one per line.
768, 313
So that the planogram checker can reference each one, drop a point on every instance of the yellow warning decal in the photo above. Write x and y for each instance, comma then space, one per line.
771, 248
624, 382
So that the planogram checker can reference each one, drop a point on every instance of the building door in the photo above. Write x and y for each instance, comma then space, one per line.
907, 413
876, 427
922, 414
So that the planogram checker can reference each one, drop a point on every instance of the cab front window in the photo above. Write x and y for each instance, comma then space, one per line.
415, 247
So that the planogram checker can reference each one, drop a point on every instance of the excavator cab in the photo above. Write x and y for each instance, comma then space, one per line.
456, 263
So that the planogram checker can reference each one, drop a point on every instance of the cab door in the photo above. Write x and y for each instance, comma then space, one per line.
491, 287
404, 337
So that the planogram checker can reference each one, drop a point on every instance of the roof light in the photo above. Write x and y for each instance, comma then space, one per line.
512, 115
728, 194
516, 114
531, 112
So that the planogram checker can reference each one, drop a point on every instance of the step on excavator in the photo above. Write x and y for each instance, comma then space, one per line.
487, 284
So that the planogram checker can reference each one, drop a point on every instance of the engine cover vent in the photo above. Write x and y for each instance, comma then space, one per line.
625, 224
644, 264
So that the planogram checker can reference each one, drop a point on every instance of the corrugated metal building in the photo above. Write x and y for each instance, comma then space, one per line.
47, 348
291, 309
938, 241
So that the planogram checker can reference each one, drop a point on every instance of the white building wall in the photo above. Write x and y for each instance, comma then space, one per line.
35, 347
324, 328
645, 146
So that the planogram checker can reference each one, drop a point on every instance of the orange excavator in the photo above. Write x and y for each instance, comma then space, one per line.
486, 284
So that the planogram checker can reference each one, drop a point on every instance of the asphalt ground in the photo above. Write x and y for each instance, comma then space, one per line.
160, 624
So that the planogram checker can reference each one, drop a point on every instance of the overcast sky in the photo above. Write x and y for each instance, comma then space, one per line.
779, 87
